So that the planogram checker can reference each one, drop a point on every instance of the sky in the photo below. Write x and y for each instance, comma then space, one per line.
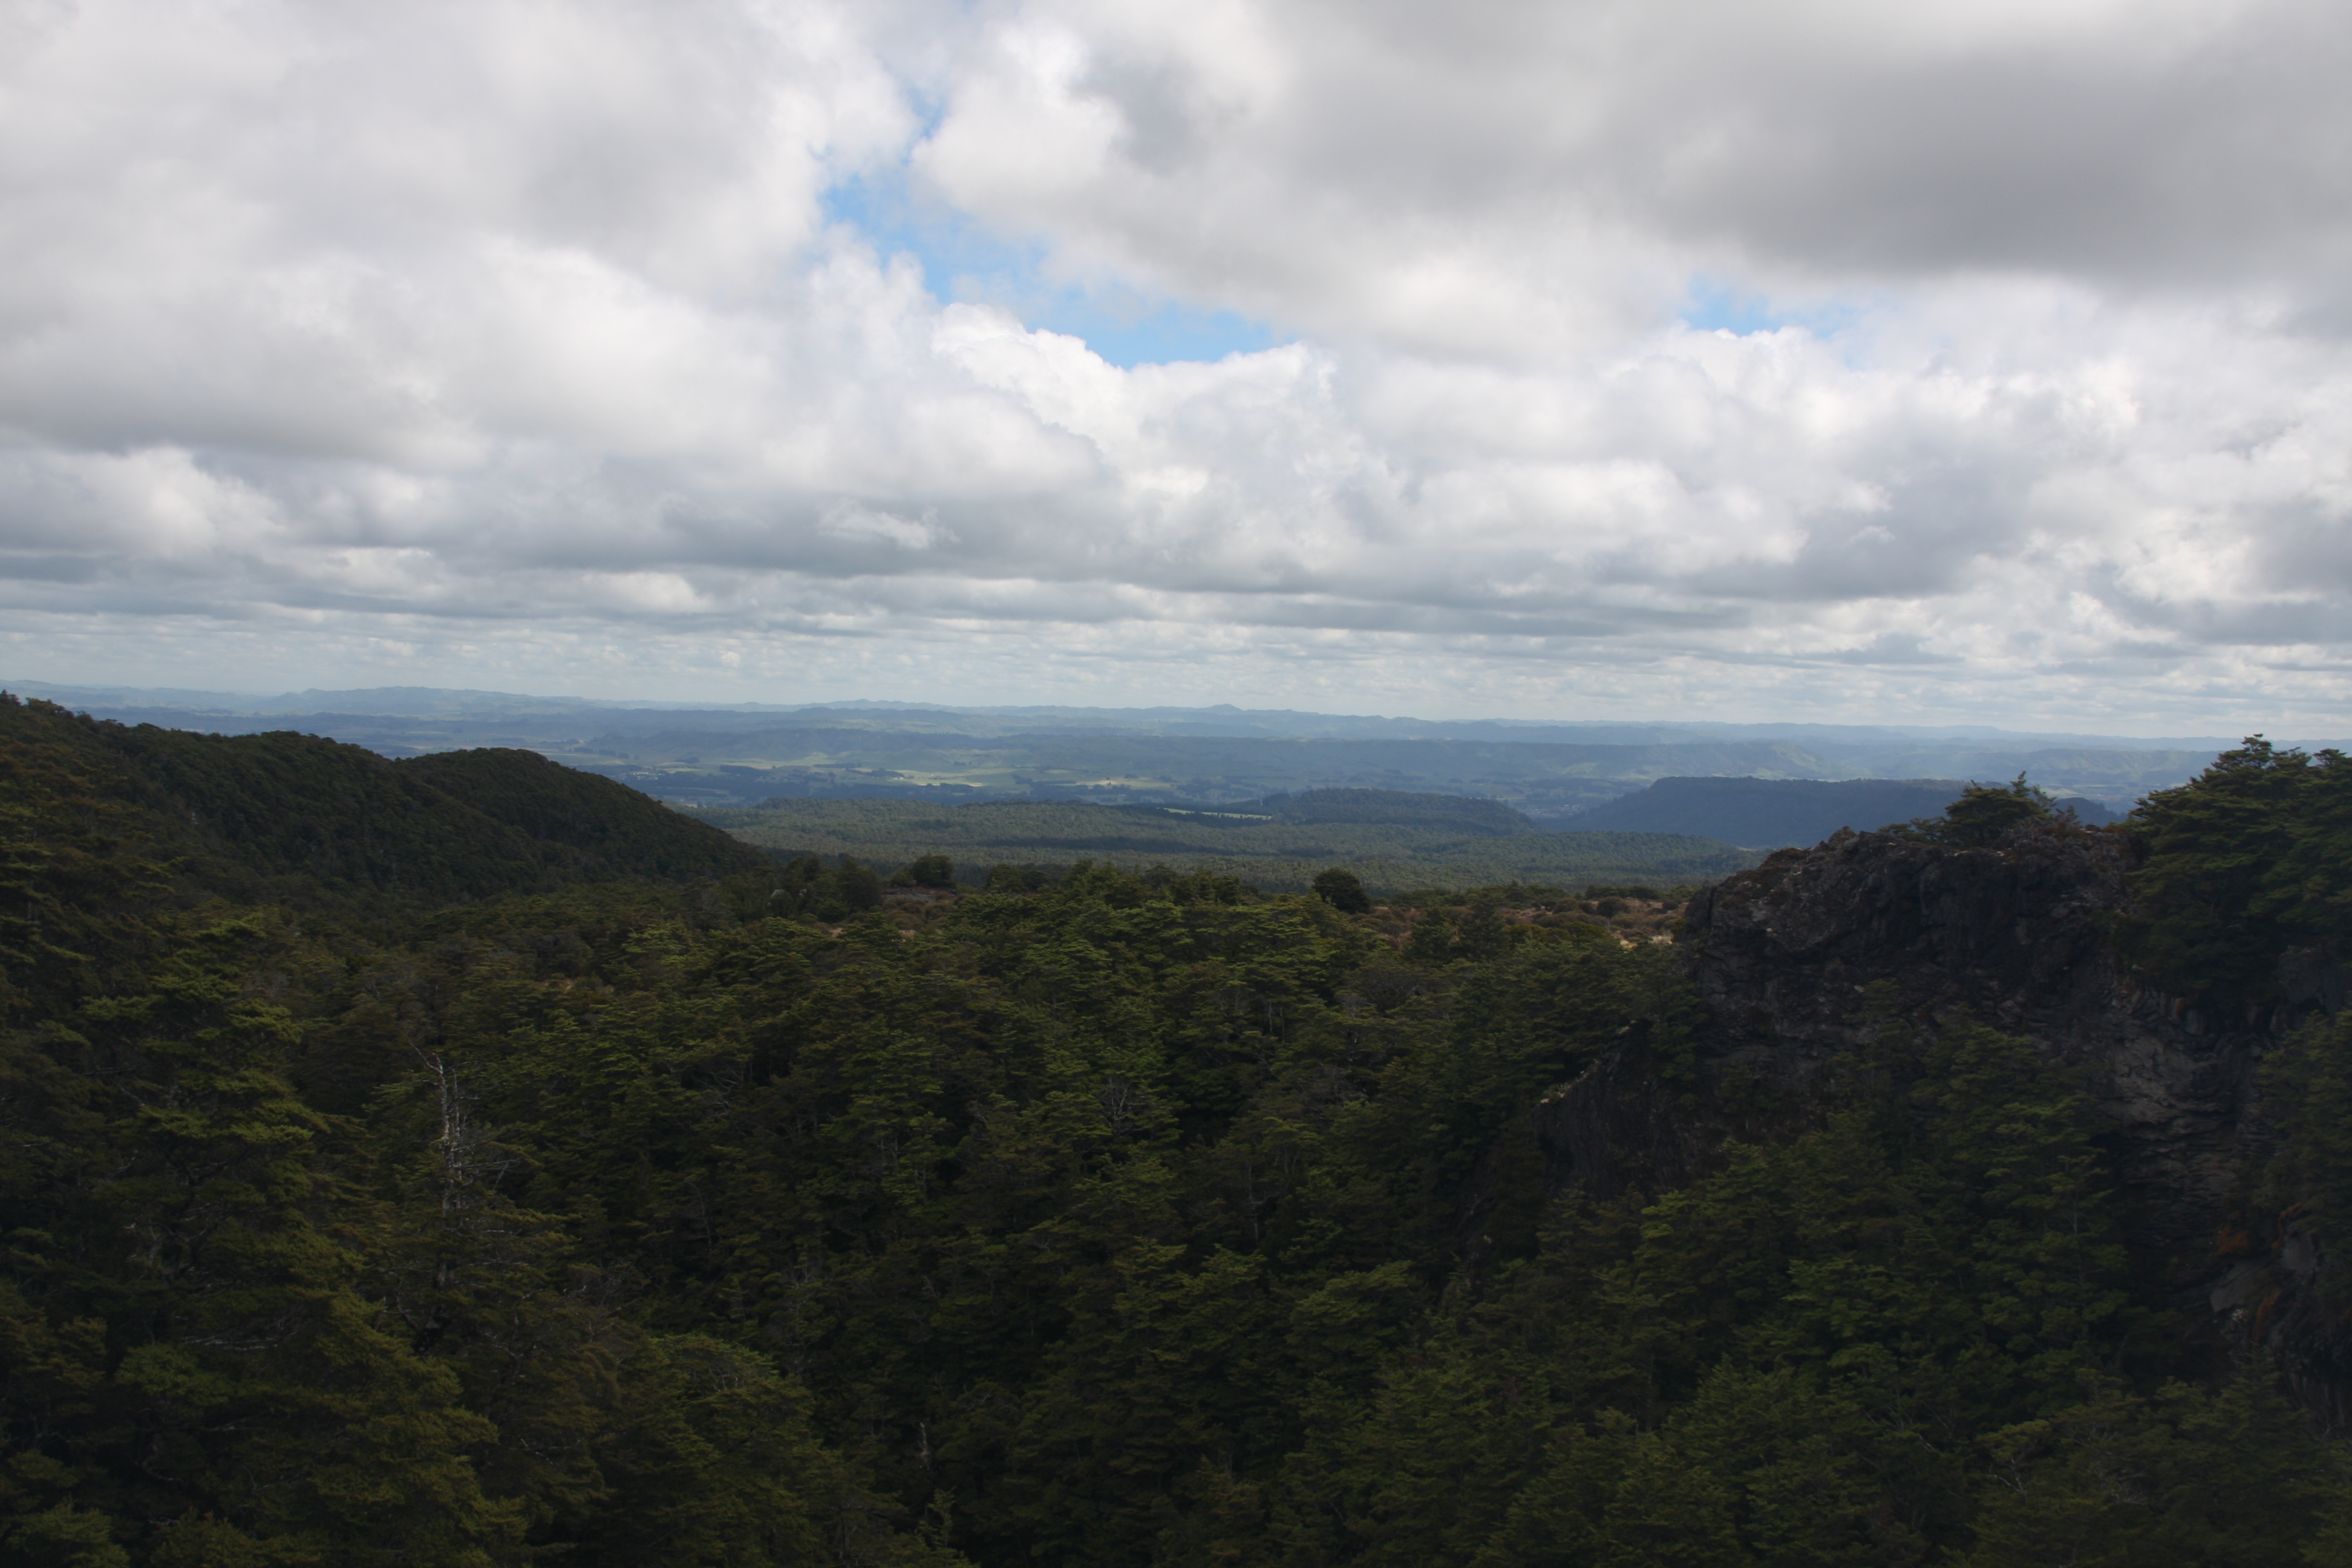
1962, 360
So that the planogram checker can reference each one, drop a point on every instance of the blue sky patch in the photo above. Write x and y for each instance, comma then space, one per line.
1712, 305
965, 260
1716, 307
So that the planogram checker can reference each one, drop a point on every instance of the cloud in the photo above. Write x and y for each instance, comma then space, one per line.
417, 340
1523, 174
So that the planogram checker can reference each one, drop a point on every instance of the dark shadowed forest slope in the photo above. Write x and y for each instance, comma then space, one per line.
282, 815
607, 829
1137, 1220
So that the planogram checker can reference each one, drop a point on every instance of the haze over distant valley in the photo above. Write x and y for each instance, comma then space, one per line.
738, 756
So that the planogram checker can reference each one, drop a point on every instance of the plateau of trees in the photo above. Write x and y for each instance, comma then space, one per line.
1390, 840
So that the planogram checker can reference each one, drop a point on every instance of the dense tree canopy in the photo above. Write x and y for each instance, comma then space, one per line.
1983, 813
2252, 858
1121, 1220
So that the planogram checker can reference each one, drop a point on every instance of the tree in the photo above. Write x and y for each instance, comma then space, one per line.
1432, 942
1342, 890
2227, 1477
931, 871
2249, 859
1983, 814
860, 885
261, 1396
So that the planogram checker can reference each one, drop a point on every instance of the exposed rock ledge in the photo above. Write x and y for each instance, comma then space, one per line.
2018, 936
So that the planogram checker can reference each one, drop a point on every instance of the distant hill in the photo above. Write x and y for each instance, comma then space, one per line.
281, 816
1769, 814
586, 825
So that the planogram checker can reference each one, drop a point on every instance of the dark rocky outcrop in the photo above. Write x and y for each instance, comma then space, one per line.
1791, 959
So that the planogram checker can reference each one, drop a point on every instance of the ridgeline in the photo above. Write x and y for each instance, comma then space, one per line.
281, 816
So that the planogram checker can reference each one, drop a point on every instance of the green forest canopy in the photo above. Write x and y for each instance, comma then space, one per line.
1123, 1222
283, 816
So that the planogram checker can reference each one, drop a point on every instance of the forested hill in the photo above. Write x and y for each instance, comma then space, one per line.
282, 815
586, 826
1137, 1221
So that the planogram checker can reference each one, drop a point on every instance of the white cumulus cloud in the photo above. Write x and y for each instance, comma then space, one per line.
1967, 359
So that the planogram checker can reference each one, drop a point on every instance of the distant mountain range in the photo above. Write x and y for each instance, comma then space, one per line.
424, 702
741, 754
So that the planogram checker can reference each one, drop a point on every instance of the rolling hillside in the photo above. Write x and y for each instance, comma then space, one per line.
283, 816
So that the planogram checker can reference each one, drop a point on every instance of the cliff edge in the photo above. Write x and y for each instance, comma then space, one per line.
1798, 962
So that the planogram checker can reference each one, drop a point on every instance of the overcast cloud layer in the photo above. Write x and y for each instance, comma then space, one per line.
1981, 359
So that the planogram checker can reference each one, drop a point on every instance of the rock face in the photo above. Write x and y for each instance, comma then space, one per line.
2017, 936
